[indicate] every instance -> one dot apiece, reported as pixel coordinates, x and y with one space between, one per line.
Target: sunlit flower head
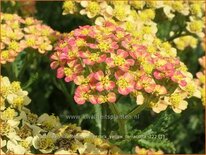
107 61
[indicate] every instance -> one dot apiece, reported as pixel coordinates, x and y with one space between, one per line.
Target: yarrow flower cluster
138 17
18 34
23 132
106 61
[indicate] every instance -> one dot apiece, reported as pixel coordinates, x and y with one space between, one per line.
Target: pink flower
161 90
93 99
119 60
158 75
125 84
148 84
92 58
56 62
179 78
110 97
104 82
81 94
90 80
69 72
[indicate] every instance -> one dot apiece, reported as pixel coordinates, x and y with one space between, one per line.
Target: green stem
98 112
137 110
121 122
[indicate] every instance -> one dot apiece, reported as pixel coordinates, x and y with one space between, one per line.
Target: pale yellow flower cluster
23 132
18 34
138 16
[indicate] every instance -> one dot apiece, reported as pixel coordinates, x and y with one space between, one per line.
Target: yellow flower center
175 99
72 53
25 144
46 143
80 42
43 46
8 114
15 86
122 83
166 45
196 26
68 71
93 8
5 54
4 91
85 96
119 61
177 6
151 49
129 26
85 31
14 45
119 12
105 80
190 88
147 14
18 102
147 30
69 6
94 57
30 41
148 68
29 21
195 9
119 35
104 46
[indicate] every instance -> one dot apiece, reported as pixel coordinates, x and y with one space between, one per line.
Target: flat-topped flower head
107 61
18 34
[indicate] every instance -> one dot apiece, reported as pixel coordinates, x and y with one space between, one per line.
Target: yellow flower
45 143
121 12
5 128
196 26
185 41
196 9
177 102
137 4
159 106
147 14
69 7
5 86
172 6
49 123
15 86
19 99
92 8
8 114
